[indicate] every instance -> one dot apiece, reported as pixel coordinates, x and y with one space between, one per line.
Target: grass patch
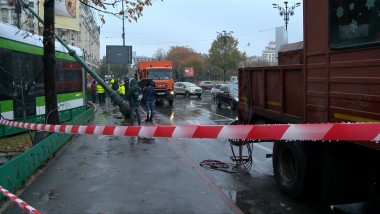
16 143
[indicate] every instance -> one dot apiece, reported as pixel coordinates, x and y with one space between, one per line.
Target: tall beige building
77 27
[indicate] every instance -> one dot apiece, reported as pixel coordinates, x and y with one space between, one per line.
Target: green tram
22 77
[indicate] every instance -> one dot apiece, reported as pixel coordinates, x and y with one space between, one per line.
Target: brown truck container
333 76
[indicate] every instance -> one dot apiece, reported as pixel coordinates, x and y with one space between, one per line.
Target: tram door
23 85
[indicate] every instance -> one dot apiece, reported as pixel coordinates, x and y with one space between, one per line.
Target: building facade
269 54
13 14
77 27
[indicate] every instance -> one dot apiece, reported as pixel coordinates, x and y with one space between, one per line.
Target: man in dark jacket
149 94
115 87
134 105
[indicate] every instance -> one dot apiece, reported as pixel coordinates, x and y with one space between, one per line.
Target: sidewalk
106 174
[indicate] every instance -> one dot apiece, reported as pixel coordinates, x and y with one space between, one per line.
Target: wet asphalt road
104 174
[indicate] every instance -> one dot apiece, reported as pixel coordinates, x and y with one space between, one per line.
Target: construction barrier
328 131
19 202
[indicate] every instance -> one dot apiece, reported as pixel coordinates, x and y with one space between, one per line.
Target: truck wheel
171 102
290 167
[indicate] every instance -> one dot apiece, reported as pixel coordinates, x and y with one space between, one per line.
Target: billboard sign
66 14
118 54
189 72
65 8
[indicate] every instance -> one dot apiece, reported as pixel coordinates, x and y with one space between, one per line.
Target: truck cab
161 72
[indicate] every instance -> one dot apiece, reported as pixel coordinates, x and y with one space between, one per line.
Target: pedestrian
134 99
121 90
100 90
115 87
149 96
93 91
126 83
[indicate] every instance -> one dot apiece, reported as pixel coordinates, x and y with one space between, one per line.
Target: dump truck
161 72
332 76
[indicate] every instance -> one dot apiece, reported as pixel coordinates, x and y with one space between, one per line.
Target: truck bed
275 92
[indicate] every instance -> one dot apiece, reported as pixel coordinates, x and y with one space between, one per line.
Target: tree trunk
51 108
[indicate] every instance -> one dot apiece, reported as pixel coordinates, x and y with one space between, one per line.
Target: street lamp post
225 36
286 12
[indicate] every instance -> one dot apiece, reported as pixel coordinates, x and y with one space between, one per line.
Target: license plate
161 93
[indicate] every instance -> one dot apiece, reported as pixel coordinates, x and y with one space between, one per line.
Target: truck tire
290 167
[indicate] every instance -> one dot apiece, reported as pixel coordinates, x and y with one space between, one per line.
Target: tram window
17 68
354 23
29 70
5 73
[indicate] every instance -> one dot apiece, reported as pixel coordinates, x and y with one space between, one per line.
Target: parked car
206 85
187 89
216 90
228 95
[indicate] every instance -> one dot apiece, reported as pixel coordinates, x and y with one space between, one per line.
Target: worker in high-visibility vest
111 82
101 94
121 90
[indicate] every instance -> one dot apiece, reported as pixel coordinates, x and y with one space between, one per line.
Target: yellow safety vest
100 89
122 89
119 89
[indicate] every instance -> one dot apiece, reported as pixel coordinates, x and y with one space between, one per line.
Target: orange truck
161 72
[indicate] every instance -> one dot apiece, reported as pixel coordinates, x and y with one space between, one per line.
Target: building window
4 15
72 36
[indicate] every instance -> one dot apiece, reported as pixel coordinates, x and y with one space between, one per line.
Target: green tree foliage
186 57
233 56
198 64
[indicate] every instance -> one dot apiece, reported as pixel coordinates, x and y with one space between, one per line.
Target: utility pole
124 73
18 12
225 36
286 12
51 107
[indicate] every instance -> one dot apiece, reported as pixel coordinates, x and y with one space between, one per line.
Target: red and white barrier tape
18 201
328 131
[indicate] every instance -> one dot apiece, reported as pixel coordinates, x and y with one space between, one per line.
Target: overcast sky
195 23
